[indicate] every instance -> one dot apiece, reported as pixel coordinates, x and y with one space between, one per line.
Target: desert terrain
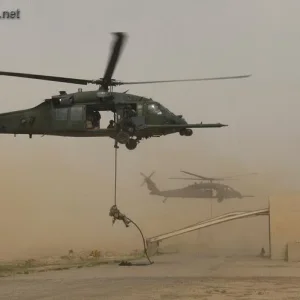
183 276
42 222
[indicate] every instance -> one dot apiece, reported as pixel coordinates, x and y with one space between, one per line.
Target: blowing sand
56 194
56 197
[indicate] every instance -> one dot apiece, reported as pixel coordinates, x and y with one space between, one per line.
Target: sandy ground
176 276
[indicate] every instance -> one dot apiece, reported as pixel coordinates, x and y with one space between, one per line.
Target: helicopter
77 114
206 189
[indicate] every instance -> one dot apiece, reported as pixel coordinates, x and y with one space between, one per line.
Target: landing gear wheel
122 137
131 144
182 132
188 132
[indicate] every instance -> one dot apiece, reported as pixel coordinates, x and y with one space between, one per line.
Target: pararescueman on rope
116 214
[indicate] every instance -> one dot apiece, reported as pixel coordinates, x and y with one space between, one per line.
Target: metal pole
270 244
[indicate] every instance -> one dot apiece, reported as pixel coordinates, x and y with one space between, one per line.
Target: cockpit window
154 109
165 110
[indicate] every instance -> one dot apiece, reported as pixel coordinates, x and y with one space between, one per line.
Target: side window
76 113
61 114
140 109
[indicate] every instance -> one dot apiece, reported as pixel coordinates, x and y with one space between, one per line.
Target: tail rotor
146 178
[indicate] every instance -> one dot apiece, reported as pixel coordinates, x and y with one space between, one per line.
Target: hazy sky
172 39
167 40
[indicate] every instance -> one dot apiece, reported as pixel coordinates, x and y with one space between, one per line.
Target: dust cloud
56 194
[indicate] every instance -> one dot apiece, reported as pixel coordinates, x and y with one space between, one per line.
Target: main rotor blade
217 179
206 179
183 80
47 77
199 176
182 178
240 175
116 50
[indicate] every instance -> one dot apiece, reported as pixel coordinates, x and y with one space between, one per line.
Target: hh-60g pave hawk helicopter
208 188
77 114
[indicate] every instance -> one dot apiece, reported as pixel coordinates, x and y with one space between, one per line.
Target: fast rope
116 172
117 215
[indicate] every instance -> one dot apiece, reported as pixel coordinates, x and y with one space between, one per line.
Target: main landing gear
125 135
131 144
124 138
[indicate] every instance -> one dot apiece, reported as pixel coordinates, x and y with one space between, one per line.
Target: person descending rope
117 215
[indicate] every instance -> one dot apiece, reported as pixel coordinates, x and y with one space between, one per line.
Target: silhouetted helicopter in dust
208 188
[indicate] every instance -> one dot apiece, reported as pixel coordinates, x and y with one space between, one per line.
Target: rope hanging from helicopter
116 214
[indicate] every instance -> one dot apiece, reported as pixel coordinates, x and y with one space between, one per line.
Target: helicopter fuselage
68 115
202 190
